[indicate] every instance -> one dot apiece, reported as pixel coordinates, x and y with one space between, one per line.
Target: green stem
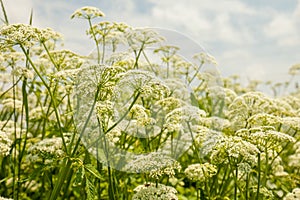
87 121
50 56
15 190
4 12
125 114
95 39
14 84
197 71
51 95
111 185
135 66
247 186
64 171
235 182
103 49
196 149
259 175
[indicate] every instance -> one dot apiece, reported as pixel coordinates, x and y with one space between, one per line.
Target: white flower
185 114
264 119
215 123
10 104
19 34
279 171
87 12
104 109
27 35
3 198
291 122
295 69
178 89
140 38
236 148
294 195
149 191
200 172
205 138
170 103
205 58
141 114
294 159
48 148
5 144
22 71
155 163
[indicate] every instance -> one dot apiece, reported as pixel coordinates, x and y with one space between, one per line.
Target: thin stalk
50 56
14 84
259 175
103 49
125 114
213 184
247 186
26 108
235 182
197 71
86 122
148 61
4 13
15 190
51 95
64 171
111 188
264 179
95 39
22 148
196 149
135 66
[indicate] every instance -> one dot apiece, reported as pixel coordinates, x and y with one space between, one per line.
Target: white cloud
284 28
205 18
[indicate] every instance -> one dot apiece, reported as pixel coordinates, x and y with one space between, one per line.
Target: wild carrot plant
137 120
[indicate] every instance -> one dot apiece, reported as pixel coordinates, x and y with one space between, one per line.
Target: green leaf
90 188
194 100
80 173
90 168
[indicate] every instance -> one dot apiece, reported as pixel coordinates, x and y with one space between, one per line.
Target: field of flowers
137 120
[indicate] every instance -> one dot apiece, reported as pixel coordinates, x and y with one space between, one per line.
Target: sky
255 39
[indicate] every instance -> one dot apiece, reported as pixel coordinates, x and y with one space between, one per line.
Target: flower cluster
200 172
156 164
234 149
5 144
26 35
87 12
265 137
295 194
3 198
139 113
149 191
49 149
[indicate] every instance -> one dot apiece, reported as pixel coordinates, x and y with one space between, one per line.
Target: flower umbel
87 12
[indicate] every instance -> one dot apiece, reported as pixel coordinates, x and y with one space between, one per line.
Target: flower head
236 148
200 172
294 195
150 191
27 35
5 144
156 164
87 12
